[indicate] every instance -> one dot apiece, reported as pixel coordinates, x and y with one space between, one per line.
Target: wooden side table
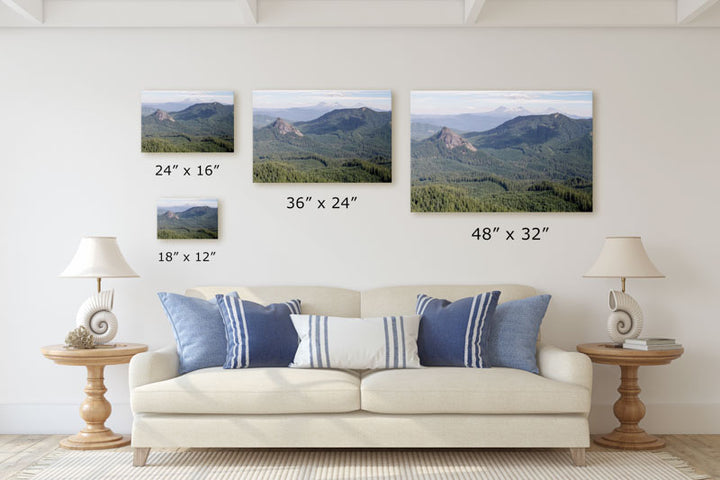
629 410
95 409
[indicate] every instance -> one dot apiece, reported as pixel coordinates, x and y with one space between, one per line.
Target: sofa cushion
513 333
357 343
251 391
198 329
340 302
257 335
402 300
454 334
469 390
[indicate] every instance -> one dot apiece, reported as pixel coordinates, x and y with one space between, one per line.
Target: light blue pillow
257 335
455 334
199 331
513 333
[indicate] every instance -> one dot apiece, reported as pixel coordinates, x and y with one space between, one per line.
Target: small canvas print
188 121
187 218
314 136
502 151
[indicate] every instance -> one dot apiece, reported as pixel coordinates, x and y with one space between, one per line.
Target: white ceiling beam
689 10
472 10
360 13
250 7
148 13
29 9
578 13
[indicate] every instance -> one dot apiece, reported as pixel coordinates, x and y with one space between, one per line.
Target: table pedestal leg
95 409
629 410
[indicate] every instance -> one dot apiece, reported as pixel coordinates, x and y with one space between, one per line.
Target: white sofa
435 407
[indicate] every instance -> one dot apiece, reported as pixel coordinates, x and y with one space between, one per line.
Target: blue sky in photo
187 202
538 101
186 96
374 99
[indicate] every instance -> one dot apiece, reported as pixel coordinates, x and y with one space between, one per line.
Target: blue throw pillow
199 331
455 334
514 332
258 336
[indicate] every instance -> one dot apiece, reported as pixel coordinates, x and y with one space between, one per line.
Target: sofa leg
578 456
140 456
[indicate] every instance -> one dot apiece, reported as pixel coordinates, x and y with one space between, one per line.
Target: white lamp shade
98 257
623 257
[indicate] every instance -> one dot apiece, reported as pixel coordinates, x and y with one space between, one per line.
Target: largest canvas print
502 151
317 136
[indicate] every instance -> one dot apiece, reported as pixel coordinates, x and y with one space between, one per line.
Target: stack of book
651 344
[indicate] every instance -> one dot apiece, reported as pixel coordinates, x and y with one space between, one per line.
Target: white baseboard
53 418
65 419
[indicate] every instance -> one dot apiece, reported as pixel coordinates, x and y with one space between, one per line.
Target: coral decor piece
80 338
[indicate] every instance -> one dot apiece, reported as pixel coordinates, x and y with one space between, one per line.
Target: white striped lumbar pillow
356 343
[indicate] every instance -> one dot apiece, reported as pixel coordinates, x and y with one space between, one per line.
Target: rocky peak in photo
452 140
283 127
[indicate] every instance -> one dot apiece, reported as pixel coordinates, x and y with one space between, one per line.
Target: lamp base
626 319
96 315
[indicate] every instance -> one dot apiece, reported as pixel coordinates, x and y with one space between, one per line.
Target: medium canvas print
188 121
316 136
502 151
187 218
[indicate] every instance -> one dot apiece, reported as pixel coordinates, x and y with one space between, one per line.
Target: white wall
70 166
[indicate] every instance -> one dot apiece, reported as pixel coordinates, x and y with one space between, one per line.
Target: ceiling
359 13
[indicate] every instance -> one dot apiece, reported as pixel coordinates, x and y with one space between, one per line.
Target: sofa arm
151 367
563 366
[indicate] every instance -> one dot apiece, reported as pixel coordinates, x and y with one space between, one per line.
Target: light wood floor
20 451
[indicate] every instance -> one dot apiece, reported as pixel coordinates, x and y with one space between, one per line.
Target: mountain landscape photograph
502 151
322 136
187 121
187 218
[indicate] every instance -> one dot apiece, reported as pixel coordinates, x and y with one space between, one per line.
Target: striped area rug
357 464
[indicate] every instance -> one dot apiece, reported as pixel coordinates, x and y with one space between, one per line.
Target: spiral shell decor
626 319
95 314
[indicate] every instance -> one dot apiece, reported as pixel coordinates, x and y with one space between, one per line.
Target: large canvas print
188 121
314 136
502 151
187 218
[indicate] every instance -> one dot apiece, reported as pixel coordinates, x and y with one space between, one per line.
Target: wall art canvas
188 121
187 218
314 136
502 151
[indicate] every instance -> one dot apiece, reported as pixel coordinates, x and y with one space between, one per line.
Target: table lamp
98 257
623 257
